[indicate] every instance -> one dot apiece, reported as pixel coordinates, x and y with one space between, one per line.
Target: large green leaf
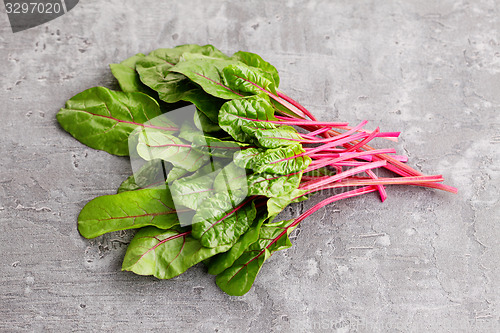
255 60
282 161
127 210
241 117
157 144
220 221
225 260
165 253
103 119
242 78
238 279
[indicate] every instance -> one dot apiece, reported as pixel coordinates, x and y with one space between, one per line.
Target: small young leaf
103 119
165 253
127 210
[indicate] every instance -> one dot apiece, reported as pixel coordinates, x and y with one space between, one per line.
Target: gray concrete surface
423 261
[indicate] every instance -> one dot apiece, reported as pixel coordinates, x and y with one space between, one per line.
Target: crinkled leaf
103 119
243 78
254 60
219 221
225 260
245 113
239 278
155 144
283 161
165 253
127 210
277 137
272 185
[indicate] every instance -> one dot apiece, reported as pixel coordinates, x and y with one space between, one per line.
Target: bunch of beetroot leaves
218 151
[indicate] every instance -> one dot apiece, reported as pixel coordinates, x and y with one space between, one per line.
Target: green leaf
282 161
204 102
232 180
220 221
207 72
191 192
127 76
175 174
238 279
242 78
149 175
155 72
205 124
216 147
225 260
277 137
242 117
103 119
272 185
254 60
156 144
165 253
127 210
276 205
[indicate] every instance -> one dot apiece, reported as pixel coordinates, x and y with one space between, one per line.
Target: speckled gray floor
423 261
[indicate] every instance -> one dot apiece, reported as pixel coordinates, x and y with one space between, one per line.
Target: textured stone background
422 261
